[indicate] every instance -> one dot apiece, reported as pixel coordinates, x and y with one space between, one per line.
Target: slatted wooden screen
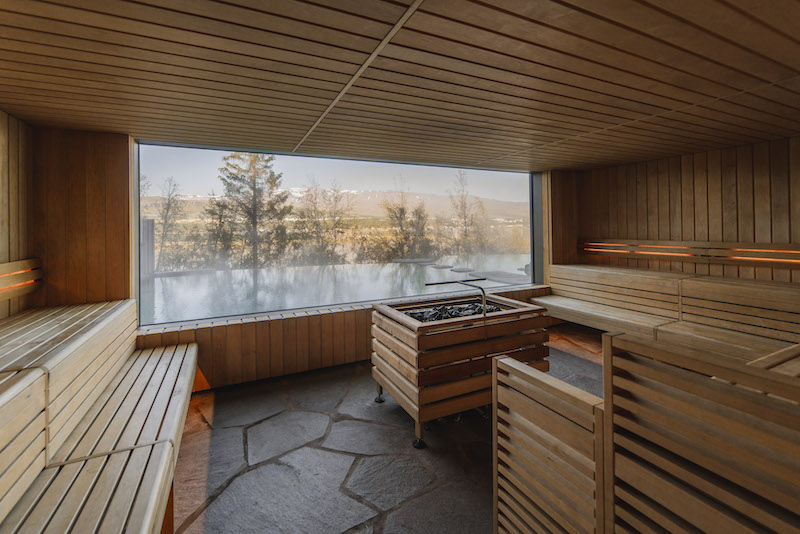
236 350
700 441
548 450
747 194
15 197
79 222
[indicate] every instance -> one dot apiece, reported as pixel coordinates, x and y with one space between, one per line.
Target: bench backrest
54 363
651 292
697 444
767 309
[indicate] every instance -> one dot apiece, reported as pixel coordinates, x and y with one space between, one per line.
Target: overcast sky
197 171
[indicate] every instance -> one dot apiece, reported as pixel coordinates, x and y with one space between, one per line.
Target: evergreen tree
220 221
253 189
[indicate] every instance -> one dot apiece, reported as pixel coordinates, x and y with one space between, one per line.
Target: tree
323 218
469 217
169 212
253 189
407 236
220 221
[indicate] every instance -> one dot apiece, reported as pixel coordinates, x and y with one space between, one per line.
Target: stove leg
419 430
379 398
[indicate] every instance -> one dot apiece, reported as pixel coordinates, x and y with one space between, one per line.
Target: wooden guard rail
548 444
19 278
782 255
696 440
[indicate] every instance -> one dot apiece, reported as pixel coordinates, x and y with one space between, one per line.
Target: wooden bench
89 427
700 441
79 348
743 318
114 472
613 299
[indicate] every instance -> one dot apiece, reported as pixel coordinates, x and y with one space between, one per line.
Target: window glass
230 233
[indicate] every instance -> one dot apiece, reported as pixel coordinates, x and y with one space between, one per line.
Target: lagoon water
200 295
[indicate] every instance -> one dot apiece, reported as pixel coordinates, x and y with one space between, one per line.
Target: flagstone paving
314 453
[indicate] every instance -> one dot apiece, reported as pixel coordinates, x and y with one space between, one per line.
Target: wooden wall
748 194
15 193
80 220
560 219
236 350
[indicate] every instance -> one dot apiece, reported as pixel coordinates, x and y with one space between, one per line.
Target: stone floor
314 453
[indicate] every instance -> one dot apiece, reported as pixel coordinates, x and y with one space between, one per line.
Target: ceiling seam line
641 119
375 53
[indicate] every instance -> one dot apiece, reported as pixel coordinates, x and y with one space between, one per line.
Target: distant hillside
365 204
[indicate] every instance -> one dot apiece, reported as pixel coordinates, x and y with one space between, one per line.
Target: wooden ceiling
506 84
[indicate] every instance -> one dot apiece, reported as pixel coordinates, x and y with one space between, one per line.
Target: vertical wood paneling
82 213
730 223
714 195
794 195
15 184
746 194
762 202
244 349
779 184
675 207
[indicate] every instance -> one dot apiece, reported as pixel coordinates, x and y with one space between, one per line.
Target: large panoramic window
230 233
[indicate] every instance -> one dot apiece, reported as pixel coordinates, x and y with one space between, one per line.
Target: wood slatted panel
711 255
701 441
17 279
15 197
80 220
548 453
80 347
321 343
769 309
742 198
22 433
501 84
629 289
142 409
613 298
130 487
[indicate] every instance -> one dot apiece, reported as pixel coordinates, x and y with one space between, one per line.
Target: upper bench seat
609 298
79 349
744 318
114 471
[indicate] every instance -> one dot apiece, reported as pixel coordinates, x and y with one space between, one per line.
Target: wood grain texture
80 216
747 194
284 343
15 188
512 85
681 418
548 452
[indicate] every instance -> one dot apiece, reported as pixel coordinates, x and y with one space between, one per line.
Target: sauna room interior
399 266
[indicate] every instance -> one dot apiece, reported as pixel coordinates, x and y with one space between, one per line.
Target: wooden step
22 433
80 349
114 470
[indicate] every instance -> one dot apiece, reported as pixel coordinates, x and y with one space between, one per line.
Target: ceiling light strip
399 24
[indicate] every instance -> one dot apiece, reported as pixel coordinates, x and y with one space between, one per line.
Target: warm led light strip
627 245
29 282
764 250
16 272
750 258
743 258
642 252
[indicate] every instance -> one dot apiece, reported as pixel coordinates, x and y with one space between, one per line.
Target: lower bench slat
131 434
